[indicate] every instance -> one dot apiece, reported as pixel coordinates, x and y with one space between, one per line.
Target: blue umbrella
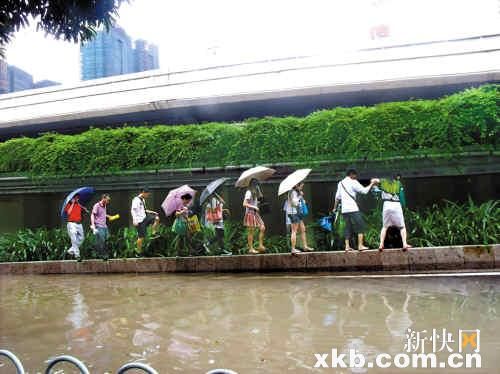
85 195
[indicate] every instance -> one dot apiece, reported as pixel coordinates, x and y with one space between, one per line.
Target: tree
71 20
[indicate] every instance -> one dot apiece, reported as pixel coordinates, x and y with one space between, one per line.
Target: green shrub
439 225
464 121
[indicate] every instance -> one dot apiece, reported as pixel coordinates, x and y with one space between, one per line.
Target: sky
207 33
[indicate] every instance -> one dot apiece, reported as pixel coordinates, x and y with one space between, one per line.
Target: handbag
179 226
303 209
214 215
326 223
193 224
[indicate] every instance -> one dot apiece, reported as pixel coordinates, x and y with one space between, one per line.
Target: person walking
391 192
293 210
142 217
74 225
99 227
347 189
214 217
252 219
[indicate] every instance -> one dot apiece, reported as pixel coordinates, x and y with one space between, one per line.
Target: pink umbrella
173 200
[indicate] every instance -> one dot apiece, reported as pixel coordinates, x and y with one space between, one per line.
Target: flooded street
248 323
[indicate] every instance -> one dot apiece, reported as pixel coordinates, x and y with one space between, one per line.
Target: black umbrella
210 189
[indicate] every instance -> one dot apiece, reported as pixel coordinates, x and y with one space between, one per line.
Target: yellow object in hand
114 218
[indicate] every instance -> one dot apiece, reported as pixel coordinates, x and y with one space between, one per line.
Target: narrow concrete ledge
473 257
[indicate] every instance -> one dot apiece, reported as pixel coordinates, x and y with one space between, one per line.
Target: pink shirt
99 213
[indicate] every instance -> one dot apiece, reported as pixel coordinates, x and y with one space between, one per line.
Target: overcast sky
200 32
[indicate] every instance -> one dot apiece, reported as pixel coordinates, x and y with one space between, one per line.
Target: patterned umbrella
173 200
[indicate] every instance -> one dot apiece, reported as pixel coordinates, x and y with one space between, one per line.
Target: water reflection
250 323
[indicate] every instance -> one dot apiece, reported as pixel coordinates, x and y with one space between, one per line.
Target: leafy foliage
74 20
448 224
464 121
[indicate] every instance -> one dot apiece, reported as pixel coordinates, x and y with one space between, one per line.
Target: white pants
75 232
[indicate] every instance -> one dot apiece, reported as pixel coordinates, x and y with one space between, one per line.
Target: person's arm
295 199
338 198
358 187
84 209
92 218
246 199
69 207
133 211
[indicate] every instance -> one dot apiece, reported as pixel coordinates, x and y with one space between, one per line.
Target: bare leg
156 223
139 245
262 231
347 245
250 231
360 243
304 236
293 235
403 237
383 233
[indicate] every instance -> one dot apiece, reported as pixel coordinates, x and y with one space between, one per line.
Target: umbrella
259 172
85 195
210 189
292 180
173 200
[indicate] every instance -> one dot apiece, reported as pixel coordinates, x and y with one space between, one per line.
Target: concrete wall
456 258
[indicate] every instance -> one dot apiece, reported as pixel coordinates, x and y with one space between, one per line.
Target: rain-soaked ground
249 323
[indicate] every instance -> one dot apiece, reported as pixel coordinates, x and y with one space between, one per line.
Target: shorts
295 218
142 227
392 215
354 223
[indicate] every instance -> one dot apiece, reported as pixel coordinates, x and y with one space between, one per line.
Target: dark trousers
219 238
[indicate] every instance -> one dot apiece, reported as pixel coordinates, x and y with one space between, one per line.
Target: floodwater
248 323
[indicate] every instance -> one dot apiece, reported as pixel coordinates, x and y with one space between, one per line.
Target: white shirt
293 202
352 186
138 210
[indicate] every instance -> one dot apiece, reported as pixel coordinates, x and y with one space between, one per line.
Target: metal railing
83 369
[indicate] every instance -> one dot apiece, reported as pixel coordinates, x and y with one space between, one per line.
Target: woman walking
295 213
252 219
214 217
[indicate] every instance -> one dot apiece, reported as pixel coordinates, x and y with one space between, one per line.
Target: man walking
347 189
99 226
75 229
142 218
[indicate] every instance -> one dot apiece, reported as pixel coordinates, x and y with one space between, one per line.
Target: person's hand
375 181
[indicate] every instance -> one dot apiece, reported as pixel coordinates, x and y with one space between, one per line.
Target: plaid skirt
252 219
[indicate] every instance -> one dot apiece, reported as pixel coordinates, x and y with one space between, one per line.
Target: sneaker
295 251
253 251
225 252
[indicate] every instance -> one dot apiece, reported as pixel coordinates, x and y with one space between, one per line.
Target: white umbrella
259 172
292 180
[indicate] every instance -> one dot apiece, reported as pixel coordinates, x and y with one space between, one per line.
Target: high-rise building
145 56
4 77
19 79
45 83
111 53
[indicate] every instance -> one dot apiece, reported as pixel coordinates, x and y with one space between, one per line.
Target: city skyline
113 52
13 79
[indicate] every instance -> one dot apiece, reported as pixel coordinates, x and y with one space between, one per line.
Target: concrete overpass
291 86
